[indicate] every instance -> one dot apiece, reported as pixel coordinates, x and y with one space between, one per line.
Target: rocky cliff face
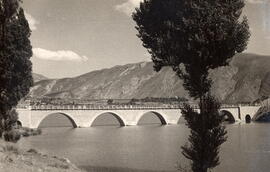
251 79
246 79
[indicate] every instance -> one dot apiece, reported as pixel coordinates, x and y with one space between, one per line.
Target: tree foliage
194 36
15 53
206 134
201 35
11 134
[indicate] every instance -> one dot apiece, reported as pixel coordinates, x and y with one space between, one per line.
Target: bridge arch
71 119
115 115
228 116
247 118
160 116
19 123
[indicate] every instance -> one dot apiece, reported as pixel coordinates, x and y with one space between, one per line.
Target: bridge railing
101 107
120 107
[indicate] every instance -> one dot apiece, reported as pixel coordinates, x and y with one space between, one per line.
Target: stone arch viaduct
127 115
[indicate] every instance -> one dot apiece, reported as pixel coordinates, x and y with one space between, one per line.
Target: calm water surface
151 147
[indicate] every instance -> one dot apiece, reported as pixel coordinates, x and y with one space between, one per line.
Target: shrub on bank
12 135
15 134
25 132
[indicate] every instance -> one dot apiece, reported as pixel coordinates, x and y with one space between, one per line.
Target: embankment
13 159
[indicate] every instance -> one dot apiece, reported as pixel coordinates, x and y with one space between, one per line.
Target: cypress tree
193 37
15 65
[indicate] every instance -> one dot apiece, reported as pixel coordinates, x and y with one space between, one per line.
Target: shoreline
14 159
117 169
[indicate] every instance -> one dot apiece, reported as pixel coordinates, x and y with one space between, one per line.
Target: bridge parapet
100 107
120 107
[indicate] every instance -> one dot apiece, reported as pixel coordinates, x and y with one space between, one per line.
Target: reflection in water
55 120
108 119
228 116
152 147
151 118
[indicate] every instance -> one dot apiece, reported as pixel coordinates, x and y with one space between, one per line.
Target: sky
73 37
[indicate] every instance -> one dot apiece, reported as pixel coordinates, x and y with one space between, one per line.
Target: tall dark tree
15 64
194 36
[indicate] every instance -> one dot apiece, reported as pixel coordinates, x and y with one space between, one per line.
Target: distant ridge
38 77
246 80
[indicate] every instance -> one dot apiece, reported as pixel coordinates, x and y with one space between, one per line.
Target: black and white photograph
134 85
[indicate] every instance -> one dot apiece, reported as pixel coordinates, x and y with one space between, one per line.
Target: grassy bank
13 159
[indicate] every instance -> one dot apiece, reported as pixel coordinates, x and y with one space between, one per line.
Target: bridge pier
131 123
248 110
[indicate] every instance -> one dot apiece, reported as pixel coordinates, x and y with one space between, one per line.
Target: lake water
148 147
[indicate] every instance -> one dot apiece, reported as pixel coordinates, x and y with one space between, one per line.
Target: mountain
128 81
38 77
246 79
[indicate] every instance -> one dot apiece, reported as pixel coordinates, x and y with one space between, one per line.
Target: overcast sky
73 37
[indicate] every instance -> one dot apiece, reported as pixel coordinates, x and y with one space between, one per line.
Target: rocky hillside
38 77
128 81
251 79
245 80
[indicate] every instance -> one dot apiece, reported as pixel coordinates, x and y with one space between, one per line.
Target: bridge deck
113 107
